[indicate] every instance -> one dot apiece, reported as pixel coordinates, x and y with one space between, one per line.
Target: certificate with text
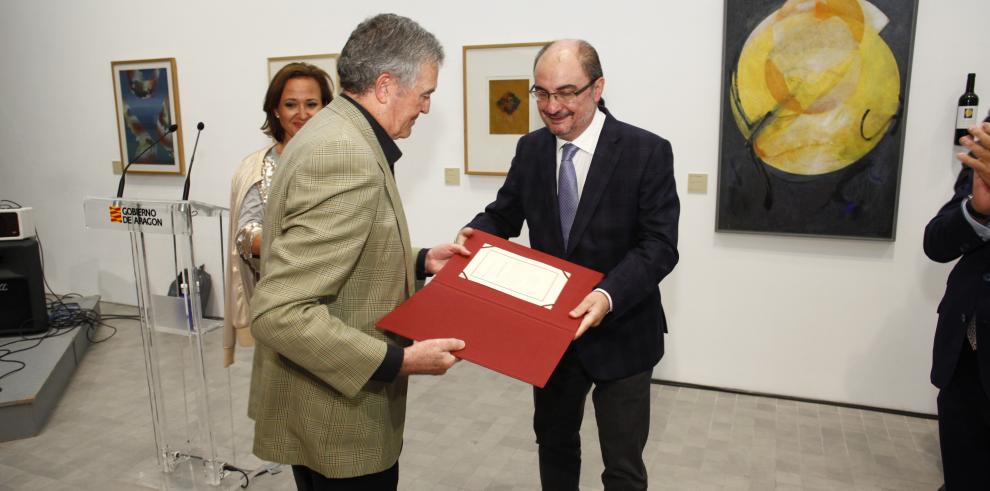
524 278
509 304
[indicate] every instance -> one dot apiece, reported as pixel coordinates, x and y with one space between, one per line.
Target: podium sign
147 216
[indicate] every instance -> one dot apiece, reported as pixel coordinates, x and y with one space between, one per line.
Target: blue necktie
567 191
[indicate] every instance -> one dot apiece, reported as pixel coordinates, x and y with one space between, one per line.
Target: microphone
185 189
120 185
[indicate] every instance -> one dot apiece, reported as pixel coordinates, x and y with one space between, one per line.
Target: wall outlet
452 176
698 183
117 168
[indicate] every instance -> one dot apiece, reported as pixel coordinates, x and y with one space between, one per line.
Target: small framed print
497 106
146 95
327 62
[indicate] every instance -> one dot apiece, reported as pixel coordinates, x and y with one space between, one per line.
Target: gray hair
386 43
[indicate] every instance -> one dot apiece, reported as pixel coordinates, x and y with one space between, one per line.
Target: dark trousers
964 427
622 410
309 480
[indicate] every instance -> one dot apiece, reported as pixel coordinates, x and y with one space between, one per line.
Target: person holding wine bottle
961 352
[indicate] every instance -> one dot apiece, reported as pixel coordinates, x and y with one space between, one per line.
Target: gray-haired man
329 388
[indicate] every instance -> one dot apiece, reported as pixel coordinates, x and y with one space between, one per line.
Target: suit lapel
547 158
603 165
400 216
356 118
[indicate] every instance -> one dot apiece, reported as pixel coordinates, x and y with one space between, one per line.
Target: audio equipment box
22 290
16 223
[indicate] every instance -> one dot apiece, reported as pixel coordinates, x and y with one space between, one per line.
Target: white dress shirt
586 143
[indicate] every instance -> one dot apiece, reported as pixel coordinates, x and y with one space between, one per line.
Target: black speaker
22 289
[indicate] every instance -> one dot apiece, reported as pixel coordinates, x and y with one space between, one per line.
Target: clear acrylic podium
189 390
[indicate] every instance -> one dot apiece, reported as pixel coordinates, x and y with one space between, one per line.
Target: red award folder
509 304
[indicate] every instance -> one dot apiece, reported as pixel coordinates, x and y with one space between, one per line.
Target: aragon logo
115 215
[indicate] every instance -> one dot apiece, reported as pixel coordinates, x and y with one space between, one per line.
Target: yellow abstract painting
816 85
814 98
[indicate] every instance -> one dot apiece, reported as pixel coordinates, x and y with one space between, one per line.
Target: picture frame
146 97
814 107
326 61
497 106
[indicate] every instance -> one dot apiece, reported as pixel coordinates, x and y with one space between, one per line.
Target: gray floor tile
472 430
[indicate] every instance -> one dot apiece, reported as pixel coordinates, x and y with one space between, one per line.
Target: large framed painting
814 101
497 106
328 62
146 94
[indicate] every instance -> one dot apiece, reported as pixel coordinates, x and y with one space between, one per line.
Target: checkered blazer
336 258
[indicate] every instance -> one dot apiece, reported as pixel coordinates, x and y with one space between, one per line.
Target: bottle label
965 117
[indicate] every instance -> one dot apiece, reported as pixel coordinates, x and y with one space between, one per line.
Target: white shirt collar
588 139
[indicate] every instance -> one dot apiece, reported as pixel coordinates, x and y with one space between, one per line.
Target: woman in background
296 93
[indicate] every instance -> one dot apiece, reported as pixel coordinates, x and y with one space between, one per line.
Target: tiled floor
471 430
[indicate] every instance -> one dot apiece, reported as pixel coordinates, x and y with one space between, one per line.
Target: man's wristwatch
980 217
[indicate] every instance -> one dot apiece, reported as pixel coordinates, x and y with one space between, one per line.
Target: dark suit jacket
949 236
625 227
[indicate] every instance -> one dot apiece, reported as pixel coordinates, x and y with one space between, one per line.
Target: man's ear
384 87
599 87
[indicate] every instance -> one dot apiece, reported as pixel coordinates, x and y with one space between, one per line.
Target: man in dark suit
961 354
598 192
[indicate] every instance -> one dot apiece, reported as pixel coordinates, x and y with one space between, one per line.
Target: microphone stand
123 173
185 189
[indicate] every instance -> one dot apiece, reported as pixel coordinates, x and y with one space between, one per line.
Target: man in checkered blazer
329 388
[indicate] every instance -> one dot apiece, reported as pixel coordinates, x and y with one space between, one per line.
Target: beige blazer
240 279
335 258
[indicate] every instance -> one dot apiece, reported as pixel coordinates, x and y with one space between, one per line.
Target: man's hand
978 143
438 256
464 235
430 357
593 308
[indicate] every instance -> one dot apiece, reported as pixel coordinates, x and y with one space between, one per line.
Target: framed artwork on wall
497 106
328 62
146 95
814 100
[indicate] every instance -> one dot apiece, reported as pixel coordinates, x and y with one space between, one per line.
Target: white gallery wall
832 319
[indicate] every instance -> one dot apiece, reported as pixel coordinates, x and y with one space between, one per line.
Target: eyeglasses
564 95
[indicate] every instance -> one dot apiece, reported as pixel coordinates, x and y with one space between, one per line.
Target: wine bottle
966 114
